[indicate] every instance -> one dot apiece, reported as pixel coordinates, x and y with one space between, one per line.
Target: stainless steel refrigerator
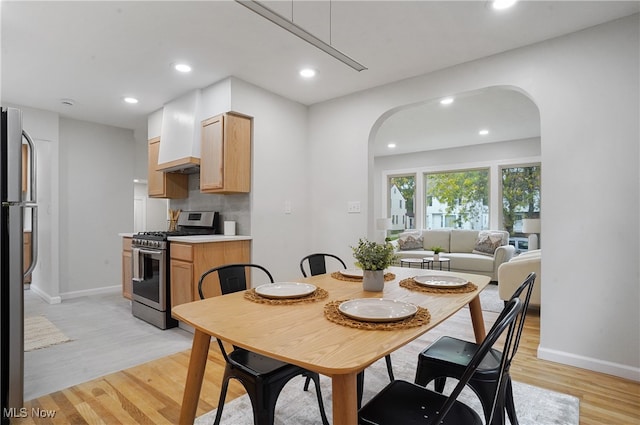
15 204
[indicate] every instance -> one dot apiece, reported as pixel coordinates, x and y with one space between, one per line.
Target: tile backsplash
236 207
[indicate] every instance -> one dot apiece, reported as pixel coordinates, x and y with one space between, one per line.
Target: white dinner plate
439 281
377 309
285 290
351 272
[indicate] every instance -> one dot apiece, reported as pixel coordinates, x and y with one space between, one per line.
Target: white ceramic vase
436 257
373 280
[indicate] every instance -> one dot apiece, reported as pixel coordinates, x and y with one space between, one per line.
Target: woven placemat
317 295
332 314
412 285
340 276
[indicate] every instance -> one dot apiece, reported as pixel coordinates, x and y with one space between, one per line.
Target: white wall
95 204
586 86
279 175
42 127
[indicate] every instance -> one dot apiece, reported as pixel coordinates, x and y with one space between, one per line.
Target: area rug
534 406
39 332
490 300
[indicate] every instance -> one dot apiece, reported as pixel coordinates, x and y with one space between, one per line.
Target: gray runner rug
39 332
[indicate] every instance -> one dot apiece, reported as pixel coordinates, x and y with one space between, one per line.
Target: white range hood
180 135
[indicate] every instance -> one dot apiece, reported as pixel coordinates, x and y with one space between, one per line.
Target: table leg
345 399
475 309
195 375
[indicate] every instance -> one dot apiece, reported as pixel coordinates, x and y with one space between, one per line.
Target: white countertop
126 235
208 238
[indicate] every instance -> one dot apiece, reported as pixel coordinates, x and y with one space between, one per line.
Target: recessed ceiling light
308 73
182 67
391 145
503 4
483 132
446 101
131 100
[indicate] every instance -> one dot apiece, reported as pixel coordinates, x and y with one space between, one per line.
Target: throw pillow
487 243
410 241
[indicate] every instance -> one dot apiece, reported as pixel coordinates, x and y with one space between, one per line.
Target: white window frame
495 186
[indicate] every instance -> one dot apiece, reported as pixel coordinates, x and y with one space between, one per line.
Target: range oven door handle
148 252
137 265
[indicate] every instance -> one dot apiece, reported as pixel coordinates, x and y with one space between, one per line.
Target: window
401 191
461 197
520 196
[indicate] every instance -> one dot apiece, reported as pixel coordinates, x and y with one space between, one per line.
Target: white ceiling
506 114
96 53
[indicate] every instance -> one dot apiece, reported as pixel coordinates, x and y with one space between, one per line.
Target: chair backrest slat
317 263
232 277
527 288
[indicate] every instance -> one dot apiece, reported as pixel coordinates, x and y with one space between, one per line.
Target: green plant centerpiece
373 258
436 252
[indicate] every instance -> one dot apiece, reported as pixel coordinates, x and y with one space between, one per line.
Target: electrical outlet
353 207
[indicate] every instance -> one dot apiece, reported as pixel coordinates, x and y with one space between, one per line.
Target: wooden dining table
300 334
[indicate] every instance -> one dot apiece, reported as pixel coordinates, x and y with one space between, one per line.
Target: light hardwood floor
152 393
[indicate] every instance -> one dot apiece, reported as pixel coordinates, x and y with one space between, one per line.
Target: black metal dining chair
317 264
449 357
262 377
406 403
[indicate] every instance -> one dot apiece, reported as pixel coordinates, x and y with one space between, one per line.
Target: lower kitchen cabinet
190 260
126 267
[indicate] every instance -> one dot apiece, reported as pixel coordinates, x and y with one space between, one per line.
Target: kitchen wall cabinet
190 260
164 185
126 267
27 255
225 154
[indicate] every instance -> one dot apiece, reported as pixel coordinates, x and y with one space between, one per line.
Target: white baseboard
596 365
46 297
94 291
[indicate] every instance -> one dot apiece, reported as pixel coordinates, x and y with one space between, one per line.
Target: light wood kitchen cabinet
225 154
189 261
126 267
27 255
161 184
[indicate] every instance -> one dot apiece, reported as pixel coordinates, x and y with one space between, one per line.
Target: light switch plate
287 207
353 207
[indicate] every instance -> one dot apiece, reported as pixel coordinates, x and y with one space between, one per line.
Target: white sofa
513 273
469 251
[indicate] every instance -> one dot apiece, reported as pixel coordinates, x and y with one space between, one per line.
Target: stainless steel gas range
150 266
